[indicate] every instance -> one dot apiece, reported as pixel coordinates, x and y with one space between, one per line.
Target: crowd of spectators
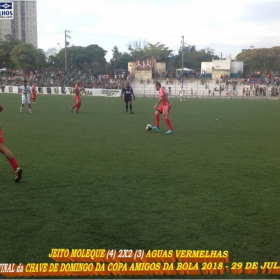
268 81
160 74
60 78
254 84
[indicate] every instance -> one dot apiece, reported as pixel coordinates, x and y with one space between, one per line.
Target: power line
103 35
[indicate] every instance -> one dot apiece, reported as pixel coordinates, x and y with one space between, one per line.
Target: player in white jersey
25 90
181 94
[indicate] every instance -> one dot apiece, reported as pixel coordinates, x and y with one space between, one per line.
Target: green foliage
115 61
6 47
52 60
27 57
264 59
193 59
140 50
124 60
91 57
17 54
119 60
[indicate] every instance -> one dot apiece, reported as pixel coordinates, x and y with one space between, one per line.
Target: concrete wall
159 66
131 68
236 66
222 64
143 75
206 67
216 74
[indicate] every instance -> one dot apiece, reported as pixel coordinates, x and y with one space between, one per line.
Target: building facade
24 25
146 69
219 67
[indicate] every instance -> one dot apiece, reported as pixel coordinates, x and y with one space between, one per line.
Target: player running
182 93
25 91
33 94
9 155
163 109
127 91
77 97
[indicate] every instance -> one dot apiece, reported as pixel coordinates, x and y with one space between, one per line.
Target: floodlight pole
183 44
66 43
65 51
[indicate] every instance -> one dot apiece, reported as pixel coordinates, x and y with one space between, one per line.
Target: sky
225 26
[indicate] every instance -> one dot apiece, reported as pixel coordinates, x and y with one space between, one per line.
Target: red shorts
164 109
1 137
77 99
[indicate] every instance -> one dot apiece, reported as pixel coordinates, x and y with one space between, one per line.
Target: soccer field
100 180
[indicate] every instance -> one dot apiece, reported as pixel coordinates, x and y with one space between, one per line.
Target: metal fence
198 89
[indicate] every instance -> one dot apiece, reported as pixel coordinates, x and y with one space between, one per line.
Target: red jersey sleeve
76 90
161 92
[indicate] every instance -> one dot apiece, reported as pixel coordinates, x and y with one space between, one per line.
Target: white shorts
25 99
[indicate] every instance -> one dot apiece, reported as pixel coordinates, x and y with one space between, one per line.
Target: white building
218 67
24 25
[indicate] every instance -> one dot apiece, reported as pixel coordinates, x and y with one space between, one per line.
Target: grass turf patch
100 180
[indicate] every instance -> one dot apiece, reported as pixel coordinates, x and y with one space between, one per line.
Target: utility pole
66 44
183 45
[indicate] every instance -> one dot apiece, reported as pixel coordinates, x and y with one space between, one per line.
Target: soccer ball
149 127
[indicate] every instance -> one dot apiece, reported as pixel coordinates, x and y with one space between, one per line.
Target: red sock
13 163
168 122
77 109
157 121
74 106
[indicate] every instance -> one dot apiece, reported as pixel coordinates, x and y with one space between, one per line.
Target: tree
208 51
27 57
158 51
144 50
116 53
40 58
52 61
193 60
6 47
264 59
137 46
193 57
115 59
119 60
124 59
136 49
97 54
90 57
188 49
51 52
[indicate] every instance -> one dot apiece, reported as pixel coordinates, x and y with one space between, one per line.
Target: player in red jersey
164 108
77 97
9 155
33 94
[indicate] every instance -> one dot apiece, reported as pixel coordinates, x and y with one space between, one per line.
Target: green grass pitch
100 180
